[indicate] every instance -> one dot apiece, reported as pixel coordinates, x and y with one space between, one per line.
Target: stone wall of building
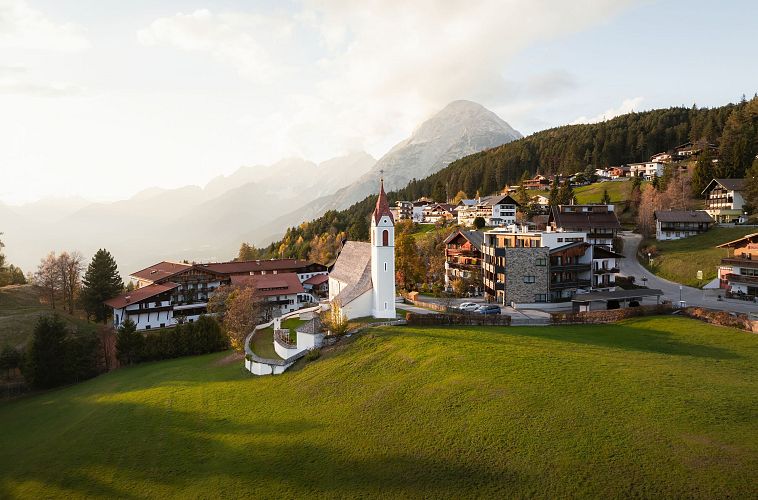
521 263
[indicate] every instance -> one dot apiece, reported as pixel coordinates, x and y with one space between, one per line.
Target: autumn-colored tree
47 277
459 287
678 195
334 318
409 267
461 195
239 310
650 201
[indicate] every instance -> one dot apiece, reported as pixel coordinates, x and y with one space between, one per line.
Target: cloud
627 106
22 27
54 89
351 74
238 39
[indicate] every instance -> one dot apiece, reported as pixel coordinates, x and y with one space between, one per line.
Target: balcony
560 285
739 278
609 270
464 266
570 267
735 261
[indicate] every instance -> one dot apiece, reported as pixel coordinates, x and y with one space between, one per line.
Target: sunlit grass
652 407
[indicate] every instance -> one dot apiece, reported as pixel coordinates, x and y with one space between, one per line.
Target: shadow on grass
611 336
147 451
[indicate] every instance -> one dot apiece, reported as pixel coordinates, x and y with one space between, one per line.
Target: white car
468 306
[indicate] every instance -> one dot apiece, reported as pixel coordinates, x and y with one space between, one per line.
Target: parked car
468 307
488 309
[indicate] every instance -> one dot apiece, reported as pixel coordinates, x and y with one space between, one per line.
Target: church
363 278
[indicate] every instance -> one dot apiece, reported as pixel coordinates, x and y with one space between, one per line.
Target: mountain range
255 204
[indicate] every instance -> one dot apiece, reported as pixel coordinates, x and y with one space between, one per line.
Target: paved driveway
629 266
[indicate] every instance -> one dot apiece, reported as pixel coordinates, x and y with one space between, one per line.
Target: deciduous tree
334 318
238 309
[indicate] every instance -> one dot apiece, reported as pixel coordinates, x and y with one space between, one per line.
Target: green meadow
651 407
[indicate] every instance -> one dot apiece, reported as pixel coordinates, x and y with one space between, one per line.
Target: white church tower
383 258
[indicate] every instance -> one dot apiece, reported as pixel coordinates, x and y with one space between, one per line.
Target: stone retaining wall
612 316
457 319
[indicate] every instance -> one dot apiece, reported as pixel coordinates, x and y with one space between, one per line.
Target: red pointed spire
382 205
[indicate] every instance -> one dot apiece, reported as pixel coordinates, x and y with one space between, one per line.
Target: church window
385 238
385 266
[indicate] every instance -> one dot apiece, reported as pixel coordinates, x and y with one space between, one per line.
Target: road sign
700 275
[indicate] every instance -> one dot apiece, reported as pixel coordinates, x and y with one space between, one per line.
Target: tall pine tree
101 282
703 173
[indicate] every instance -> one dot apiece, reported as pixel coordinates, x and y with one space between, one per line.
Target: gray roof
682 216
312 326
730 184
353 268
352 260
616 295
475 237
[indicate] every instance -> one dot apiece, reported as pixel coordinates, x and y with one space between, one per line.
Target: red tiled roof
317 279
139 294
266 285
247 266
160 270
382 206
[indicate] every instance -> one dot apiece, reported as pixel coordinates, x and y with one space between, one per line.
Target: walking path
630 266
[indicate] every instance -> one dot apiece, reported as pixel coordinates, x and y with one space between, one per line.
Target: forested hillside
629 138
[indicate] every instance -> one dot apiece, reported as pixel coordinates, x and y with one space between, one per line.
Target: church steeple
383 258
382 205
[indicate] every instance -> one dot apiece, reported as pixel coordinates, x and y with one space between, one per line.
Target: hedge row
201 337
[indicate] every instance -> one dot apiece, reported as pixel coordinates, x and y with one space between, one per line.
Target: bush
10 359
56 356
313 354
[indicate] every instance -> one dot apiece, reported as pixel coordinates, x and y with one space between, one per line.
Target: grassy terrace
651 407
262 342
618 191
680 260
20 307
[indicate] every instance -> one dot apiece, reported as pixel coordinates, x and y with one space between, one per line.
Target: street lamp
680 295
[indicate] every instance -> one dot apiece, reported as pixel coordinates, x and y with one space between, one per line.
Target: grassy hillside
653 407
20 307
680 260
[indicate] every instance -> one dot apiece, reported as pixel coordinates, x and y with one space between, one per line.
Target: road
630 266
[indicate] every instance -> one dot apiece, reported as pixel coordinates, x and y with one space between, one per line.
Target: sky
103 98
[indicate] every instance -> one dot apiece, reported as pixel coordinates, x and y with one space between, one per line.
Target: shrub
56 356
313 354
10 359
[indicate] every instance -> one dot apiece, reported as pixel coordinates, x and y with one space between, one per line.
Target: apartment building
599 222
647 170
497 210
724 200
678 224
522 266
738 273
463 260
403 210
